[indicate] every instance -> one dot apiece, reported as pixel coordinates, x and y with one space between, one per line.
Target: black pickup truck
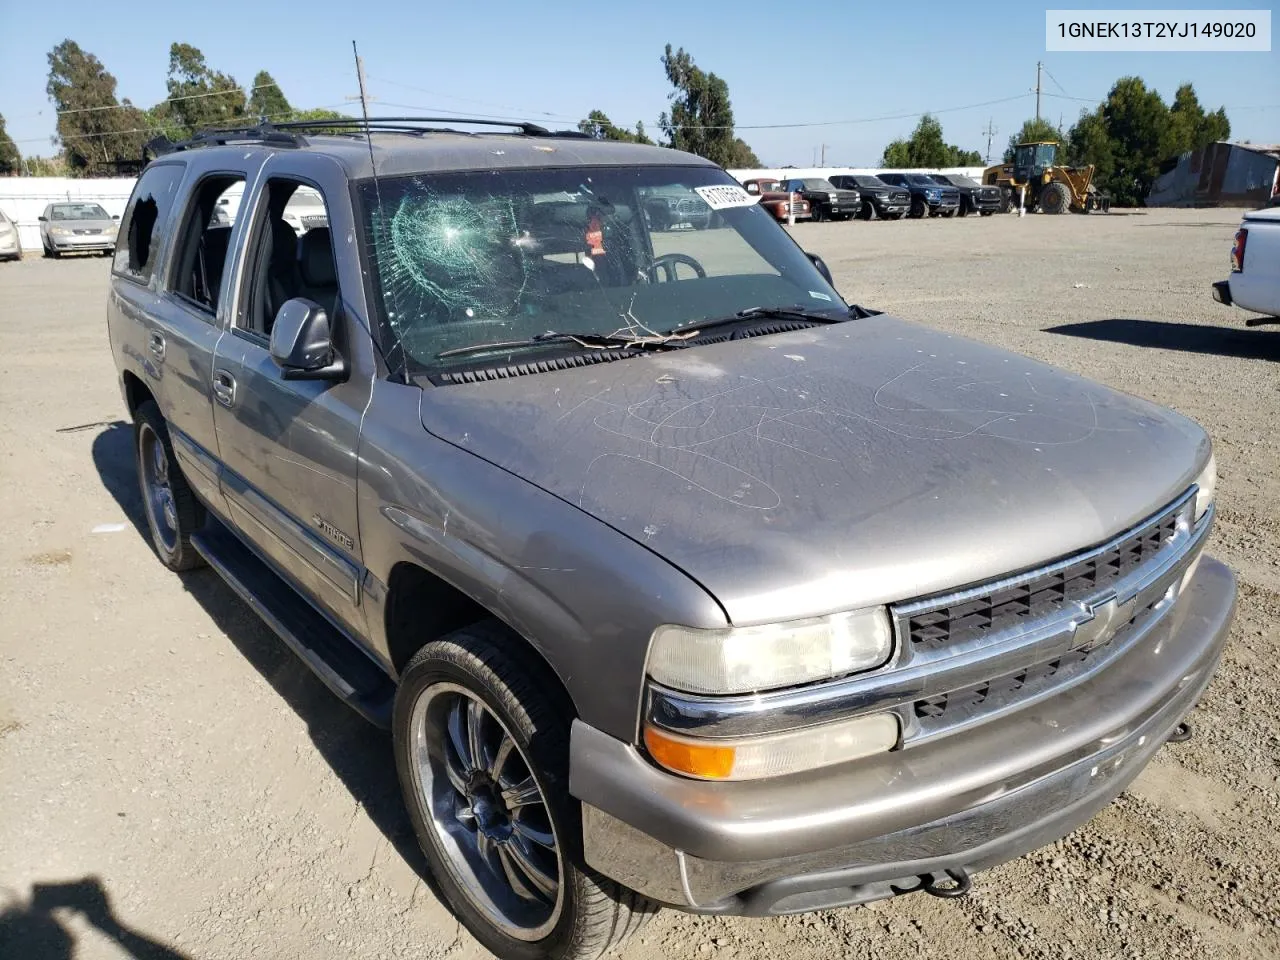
884 200
826 200
975 197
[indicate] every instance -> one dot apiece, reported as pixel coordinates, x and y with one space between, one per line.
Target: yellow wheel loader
1048 187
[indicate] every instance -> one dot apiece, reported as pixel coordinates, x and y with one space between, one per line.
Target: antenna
377 184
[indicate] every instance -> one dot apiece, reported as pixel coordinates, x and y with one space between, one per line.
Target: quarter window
148 207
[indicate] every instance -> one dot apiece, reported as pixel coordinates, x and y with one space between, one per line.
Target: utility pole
363 96
823 161
991 131
1039 67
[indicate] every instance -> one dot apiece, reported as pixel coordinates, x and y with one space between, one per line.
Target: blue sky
552 63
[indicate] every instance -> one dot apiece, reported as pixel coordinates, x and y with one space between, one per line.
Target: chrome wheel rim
162 512
487 811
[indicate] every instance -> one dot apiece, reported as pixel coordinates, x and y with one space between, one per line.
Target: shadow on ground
31 930
359 753
1189 337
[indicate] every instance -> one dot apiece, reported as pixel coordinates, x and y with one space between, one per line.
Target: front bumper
884 825
88 242
1222 292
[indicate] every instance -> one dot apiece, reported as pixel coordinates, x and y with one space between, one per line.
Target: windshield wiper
761 313
590 341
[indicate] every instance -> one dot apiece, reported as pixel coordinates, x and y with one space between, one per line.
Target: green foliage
701 117
45 166
10 158
600 127
200 96
318 114
1033 131
94 128
926 148
266 99
1130 136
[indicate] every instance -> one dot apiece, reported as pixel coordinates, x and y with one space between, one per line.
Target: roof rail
288 134
262 133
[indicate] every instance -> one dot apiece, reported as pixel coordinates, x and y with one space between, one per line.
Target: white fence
799 173
24 199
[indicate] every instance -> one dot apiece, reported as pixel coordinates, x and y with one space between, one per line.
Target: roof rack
288 134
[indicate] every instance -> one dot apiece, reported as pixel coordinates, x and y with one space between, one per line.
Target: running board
337 660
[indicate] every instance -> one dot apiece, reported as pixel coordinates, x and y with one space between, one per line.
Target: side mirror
43 219
115 216
302 343
821 266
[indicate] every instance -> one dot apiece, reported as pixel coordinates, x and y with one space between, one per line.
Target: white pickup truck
1254 283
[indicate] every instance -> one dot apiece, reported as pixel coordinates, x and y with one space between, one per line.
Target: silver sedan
77 227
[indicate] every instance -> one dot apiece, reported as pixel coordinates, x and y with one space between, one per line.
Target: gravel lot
173 783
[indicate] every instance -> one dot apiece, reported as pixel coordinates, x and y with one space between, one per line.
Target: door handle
156 345
224 387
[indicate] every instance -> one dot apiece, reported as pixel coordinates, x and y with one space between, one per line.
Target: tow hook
934 885
1181 733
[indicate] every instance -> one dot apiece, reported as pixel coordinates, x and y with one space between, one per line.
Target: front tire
173 513
867 212
481 739
1055 198
918 208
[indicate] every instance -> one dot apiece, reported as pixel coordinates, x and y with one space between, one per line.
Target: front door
289 447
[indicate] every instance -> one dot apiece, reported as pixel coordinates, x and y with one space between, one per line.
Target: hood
83 226
833 467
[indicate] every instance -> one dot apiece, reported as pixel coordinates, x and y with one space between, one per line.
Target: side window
204 240
149 206
291 255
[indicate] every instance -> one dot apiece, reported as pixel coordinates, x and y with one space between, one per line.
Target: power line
134 106
483 103
841 123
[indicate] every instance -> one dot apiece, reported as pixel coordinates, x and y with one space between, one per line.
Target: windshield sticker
724 196
819 296
595 237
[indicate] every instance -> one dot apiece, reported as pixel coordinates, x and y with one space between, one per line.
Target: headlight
748 659
1206 486
58 231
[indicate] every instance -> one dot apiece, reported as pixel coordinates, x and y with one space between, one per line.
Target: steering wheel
667 264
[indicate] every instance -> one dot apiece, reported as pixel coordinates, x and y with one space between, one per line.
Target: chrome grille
312 222
1025 637
1035 595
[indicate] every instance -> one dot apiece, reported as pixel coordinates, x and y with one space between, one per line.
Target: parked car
826 200
927 195
10 242
796 605
304 211
77 227
975 197
777 201
1254 283
884 200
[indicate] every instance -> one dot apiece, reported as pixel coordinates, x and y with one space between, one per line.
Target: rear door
289 447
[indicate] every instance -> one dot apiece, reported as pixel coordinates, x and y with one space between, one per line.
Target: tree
926 148
600 127
1190 128
701 117
200 96
1089 142
94 128
1033 131
10 158
321 114
266 99
741 156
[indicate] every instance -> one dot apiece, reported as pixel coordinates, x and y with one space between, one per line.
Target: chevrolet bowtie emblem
1099 621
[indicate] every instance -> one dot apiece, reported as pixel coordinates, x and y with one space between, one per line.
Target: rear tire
964 209
173 513
481 737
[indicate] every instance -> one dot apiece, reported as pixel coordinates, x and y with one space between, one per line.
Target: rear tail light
1237 250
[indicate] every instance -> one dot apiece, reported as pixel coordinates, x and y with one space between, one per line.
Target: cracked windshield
628 254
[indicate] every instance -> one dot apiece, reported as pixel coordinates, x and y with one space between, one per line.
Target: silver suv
677 579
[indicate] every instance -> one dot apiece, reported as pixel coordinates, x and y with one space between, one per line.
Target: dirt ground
173 783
